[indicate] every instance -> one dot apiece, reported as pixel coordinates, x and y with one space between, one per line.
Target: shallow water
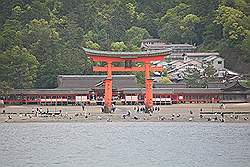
125 144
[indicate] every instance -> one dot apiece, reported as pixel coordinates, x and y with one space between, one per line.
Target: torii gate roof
91 52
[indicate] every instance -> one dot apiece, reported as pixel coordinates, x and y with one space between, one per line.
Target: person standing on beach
37 112
83 107
113 108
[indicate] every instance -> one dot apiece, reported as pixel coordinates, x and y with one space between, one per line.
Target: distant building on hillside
216 62
153 44
157 44
177 50
181 48
183 56
199 55
177 70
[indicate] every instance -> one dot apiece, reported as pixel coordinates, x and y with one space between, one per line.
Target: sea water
125 144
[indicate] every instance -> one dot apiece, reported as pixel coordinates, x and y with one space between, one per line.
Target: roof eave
92 52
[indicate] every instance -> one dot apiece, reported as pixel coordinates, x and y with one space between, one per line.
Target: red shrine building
89 89
123 89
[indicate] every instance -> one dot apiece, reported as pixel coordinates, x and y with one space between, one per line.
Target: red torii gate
128 57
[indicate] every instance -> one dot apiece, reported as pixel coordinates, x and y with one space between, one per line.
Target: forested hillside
40 39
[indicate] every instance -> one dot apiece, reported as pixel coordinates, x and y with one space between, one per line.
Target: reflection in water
125 144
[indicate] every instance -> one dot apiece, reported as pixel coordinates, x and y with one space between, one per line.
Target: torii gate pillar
149 87
108 88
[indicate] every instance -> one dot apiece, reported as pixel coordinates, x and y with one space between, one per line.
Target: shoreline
118 118
233 113
89 122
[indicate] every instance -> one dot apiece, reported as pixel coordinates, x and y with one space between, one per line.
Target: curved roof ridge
115 53
80 76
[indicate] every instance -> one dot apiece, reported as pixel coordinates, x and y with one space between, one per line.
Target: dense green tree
18 68
188 25
178 25
140 77
170 31
232 22
120 21
134 36
200 79
246 47
42 39
193 78
209 74
165 80
10 35
53 31
118 46
5 87
70 54
100 38
92 45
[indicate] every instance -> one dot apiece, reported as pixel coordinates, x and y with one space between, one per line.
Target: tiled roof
235 86
50 91
152 40
211 85
174 85
202 54
216 85
210 58
95 81
154 46
185 64
175 90
133 90
181 46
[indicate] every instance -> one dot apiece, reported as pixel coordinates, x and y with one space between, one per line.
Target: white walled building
183 56
199 55
216 62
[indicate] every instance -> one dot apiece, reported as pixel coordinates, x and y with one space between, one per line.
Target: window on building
219 62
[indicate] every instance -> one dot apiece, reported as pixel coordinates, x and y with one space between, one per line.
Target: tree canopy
40 39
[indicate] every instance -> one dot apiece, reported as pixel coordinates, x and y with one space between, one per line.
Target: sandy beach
237 113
